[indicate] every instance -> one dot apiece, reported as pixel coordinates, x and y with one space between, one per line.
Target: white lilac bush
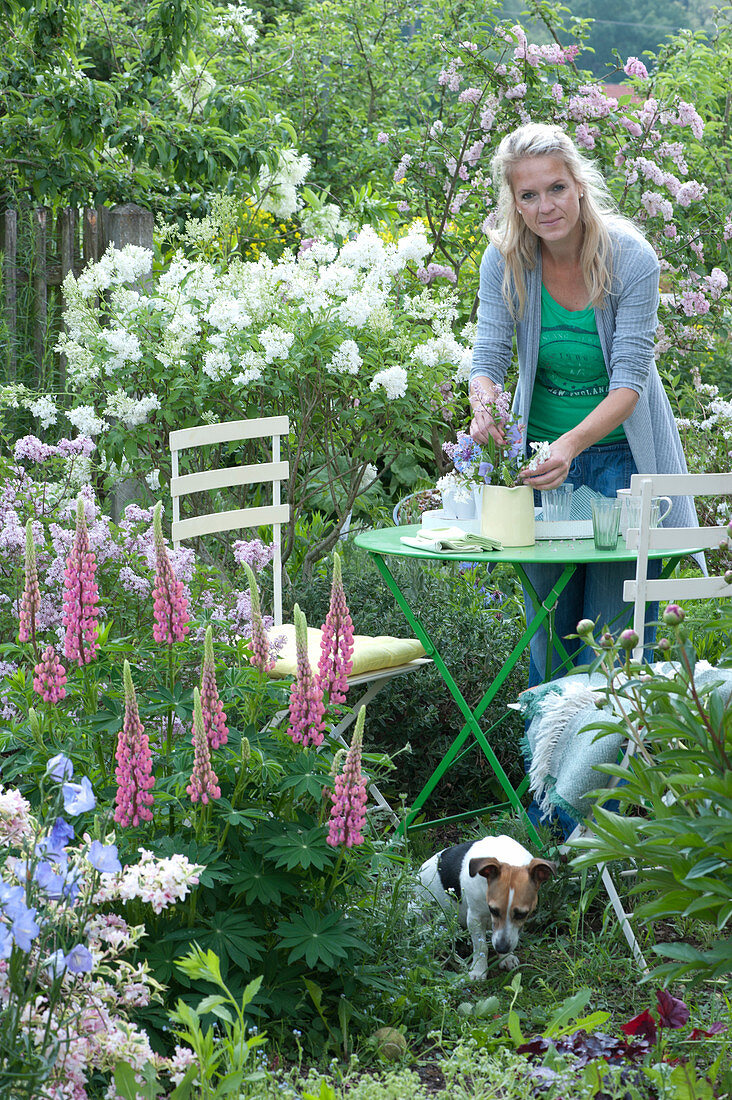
345 340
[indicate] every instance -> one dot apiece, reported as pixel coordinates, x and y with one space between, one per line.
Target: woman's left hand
555 471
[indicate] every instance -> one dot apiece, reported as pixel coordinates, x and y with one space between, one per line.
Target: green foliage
676 804
101 109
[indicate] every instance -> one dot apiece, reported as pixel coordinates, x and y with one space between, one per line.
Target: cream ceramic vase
508 514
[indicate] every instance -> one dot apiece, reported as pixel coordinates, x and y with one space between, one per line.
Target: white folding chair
673 540
273 473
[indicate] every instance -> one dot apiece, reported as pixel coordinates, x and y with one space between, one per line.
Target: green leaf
318 937
568 1010
233 937
301 848
256 881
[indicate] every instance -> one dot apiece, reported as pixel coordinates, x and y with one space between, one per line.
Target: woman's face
548 199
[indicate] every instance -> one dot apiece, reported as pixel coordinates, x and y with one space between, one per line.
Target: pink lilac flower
255 553
81 596
306 696
470 95
50 677
31 599
634 67
348 813
134 763
261 656
31 449
336 643
204 784
170 606
214 718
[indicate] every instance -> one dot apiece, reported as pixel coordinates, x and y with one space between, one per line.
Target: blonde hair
517 243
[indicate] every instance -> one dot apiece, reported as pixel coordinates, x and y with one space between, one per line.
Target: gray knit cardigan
626 324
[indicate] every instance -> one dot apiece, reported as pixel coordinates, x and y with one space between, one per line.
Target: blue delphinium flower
79 960
60 768
25 929
61 834
55 964
6 942
78 797
49 880
103 857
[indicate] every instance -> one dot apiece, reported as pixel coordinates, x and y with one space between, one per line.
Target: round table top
386 540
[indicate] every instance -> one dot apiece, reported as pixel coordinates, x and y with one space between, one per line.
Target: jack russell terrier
494 879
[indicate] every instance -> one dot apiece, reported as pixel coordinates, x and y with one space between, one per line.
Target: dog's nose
502 945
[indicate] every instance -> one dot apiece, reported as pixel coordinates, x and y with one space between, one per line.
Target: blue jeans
594 591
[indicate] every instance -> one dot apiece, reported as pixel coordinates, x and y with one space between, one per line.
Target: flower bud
35 725
607 641
628 639
246 751
728 576
585 627
673 615
724 545
663 645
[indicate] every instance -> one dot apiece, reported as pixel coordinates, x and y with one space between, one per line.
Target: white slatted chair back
270 473
673 540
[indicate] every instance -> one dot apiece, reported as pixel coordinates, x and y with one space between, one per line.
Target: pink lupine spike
170 607
204 784
81 596
306 696
348 813
261 656
134 763
50 677
214 718
31 599
336 643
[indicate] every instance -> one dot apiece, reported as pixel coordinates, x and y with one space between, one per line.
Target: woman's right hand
483 428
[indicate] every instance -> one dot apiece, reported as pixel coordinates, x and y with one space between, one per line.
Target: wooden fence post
40 284
121 225
9 247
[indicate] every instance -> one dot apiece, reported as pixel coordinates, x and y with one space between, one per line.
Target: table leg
471 716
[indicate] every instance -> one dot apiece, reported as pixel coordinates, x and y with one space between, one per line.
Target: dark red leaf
708 1033
643 1025
671 1011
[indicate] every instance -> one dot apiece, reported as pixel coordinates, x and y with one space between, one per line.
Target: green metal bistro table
567 553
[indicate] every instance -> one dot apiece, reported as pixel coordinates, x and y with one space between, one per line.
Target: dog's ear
490 869
540 870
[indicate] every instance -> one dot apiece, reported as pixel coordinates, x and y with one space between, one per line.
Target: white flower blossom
131 410
44 408
216 364
393 380
346 359
276 342
86 421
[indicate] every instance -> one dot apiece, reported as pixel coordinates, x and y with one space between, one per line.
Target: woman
578 287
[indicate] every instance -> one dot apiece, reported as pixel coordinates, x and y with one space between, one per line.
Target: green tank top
571 376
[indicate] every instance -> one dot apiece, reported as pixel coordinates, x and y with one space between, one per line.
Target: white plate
436 518
564 529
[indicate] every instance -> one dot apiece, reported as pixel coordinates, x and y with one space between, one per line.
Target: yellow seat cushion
369 654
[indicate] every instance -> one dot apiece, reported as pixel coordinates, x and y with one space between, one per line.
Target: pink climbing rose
134 763
170 606
81 595
31 599
336 643
204 784
214 718
50 677
261 656
348 813
306 695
